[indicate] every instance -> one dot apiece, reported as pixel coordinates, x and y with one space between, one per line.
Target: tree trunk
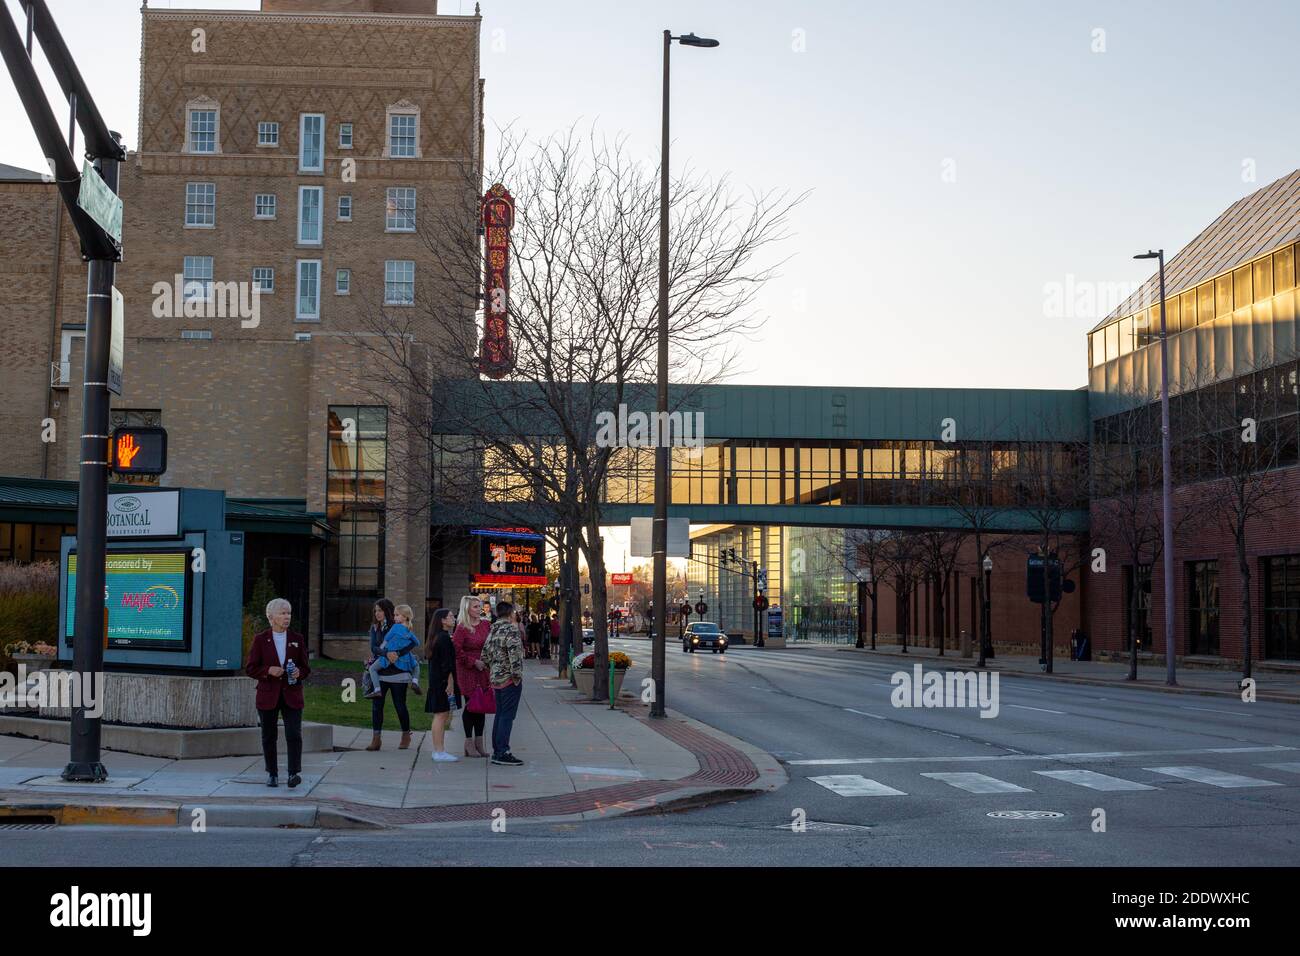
595 551
873 610
1243 567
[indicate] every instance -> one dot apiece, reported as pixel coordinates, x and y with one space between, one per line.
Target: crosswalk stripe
855 785
1215 778
1288 767
976 783
1093 780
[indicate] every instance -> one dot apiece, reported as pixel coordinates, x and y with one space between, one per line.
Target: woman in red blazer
268 664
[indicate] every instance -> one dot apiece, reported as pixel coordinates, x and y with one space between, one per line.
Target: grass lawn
325 704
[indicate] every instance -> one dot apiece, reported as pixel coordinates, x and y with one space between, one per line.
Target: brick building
295 151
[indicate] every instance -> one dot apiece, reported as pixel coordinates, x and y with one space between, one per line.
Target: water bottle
292 670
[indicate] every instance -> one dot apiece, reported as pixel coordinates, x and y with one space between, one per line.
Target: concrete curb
966 664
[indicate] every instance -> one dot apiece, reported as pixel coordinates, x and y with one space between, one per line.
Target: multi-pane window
308 308
345 136
197 278
399 211
311 143
196 334
310 199
200 204
343 282
345 208
264 206
1282 607
399 282
355 493
402 135
203 131
1203 607
264 279
268 134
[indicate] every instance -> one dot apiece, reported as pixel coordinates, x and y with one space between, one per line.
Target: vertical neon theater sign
496 355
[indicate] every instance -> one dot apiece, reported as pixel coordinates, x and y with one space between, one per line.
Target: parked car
704 634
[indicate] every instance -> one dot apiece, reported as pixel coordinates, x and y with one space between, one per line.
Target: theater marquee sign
496 356
510 557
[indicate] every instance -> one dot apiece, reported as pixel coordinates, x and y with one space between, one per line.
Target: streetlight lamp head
691 39
1147 255
988 563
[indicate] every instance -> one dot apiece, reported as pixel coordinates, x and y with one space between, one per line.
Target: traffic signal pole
102 253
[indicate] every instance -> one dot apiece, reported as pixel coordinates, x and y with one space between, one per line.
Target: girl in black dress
441 654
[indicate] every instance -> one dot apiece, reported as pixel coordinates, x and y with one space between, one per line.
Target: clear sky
963 157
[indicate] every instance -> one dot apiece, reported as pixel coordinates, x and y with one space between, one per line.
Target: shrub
262 595
587 661
29 603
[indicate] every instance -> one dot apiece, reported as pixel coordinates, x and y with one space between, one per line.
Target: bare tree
940 550
905 566
583 316
1233 438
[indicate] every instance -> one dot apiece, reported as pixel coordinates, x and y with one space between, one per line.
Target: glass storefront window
1222 296
1203 607
1284 269
1187 303
1112 341
1205 302
355 497
1263 279
1282 607
1243 295
1126 335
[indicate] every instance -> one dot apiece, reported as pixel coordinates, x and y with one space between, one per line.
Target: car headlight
722 639
695 640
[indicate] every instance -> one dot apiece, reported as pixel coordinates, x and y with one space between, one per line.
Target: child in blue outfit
401 639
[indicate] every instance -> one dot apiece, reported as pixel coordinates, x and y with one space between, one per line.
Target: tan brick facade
246 410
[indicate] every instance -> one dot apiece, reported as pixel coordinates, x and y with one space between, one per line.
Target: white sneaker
441 756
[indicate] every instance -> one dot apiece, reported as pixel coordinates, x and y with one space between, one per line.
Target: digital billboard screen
510 557
147 595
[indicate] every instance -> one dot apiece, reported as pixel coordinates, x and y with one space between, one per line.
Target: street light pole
1166 481
986 614
659 528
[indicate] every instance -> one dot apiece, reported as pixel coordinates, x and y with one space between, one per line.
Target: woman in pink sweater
471 674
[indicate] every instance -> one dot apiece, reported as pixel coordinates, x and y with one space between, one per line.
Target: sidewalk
1270 685
582 760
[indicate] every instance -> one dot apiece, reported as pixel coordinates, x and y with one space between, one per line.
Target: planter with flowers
584 671
37 656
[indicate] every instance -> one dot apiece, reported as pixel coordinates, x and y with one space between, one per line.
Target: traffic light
138 450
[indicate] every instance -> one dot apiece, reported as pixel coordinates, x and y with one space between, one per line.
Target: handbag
482 701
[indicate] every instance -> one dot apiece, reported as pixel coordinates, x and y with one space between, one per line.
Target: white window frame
302 143
298 314
390 199
186 295
191 190
348 200
402 108
389 280
203 104
257 286
343 282
268 134
320 209
345 127
257 204
196 335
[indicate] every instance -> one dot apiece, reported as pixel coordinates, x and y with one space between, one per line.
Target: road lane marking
853 785
1288 767
1093 780
1215 778
1098 755
1041 710
1209 710
976 783
865 714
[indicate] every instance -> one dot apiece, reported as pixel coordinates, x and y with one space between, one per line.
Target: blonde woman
471 673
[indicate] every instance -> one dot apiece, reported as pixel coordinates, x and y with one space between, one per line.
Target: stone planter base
585 679
173 700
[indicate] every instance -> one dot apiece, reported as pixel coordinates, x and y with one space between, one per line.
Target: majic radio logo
159 596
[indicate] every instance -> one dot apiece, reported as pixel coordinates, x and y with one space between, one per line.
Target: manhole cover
1026 815
817 826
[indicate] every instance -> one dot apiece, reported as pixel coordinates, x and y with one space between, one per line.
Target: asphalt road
1177 779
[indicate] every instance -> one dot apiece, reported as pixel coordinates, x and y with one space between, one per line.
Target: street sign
679 537
701 609
99 202
116 344
1034 579
762 579
138 450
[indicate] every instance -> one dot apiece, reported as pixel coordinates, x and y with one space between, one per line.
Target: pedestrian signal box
138 450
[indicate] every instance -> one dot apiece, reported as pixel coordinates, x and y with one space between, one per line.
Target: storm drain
1026 815
27 823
